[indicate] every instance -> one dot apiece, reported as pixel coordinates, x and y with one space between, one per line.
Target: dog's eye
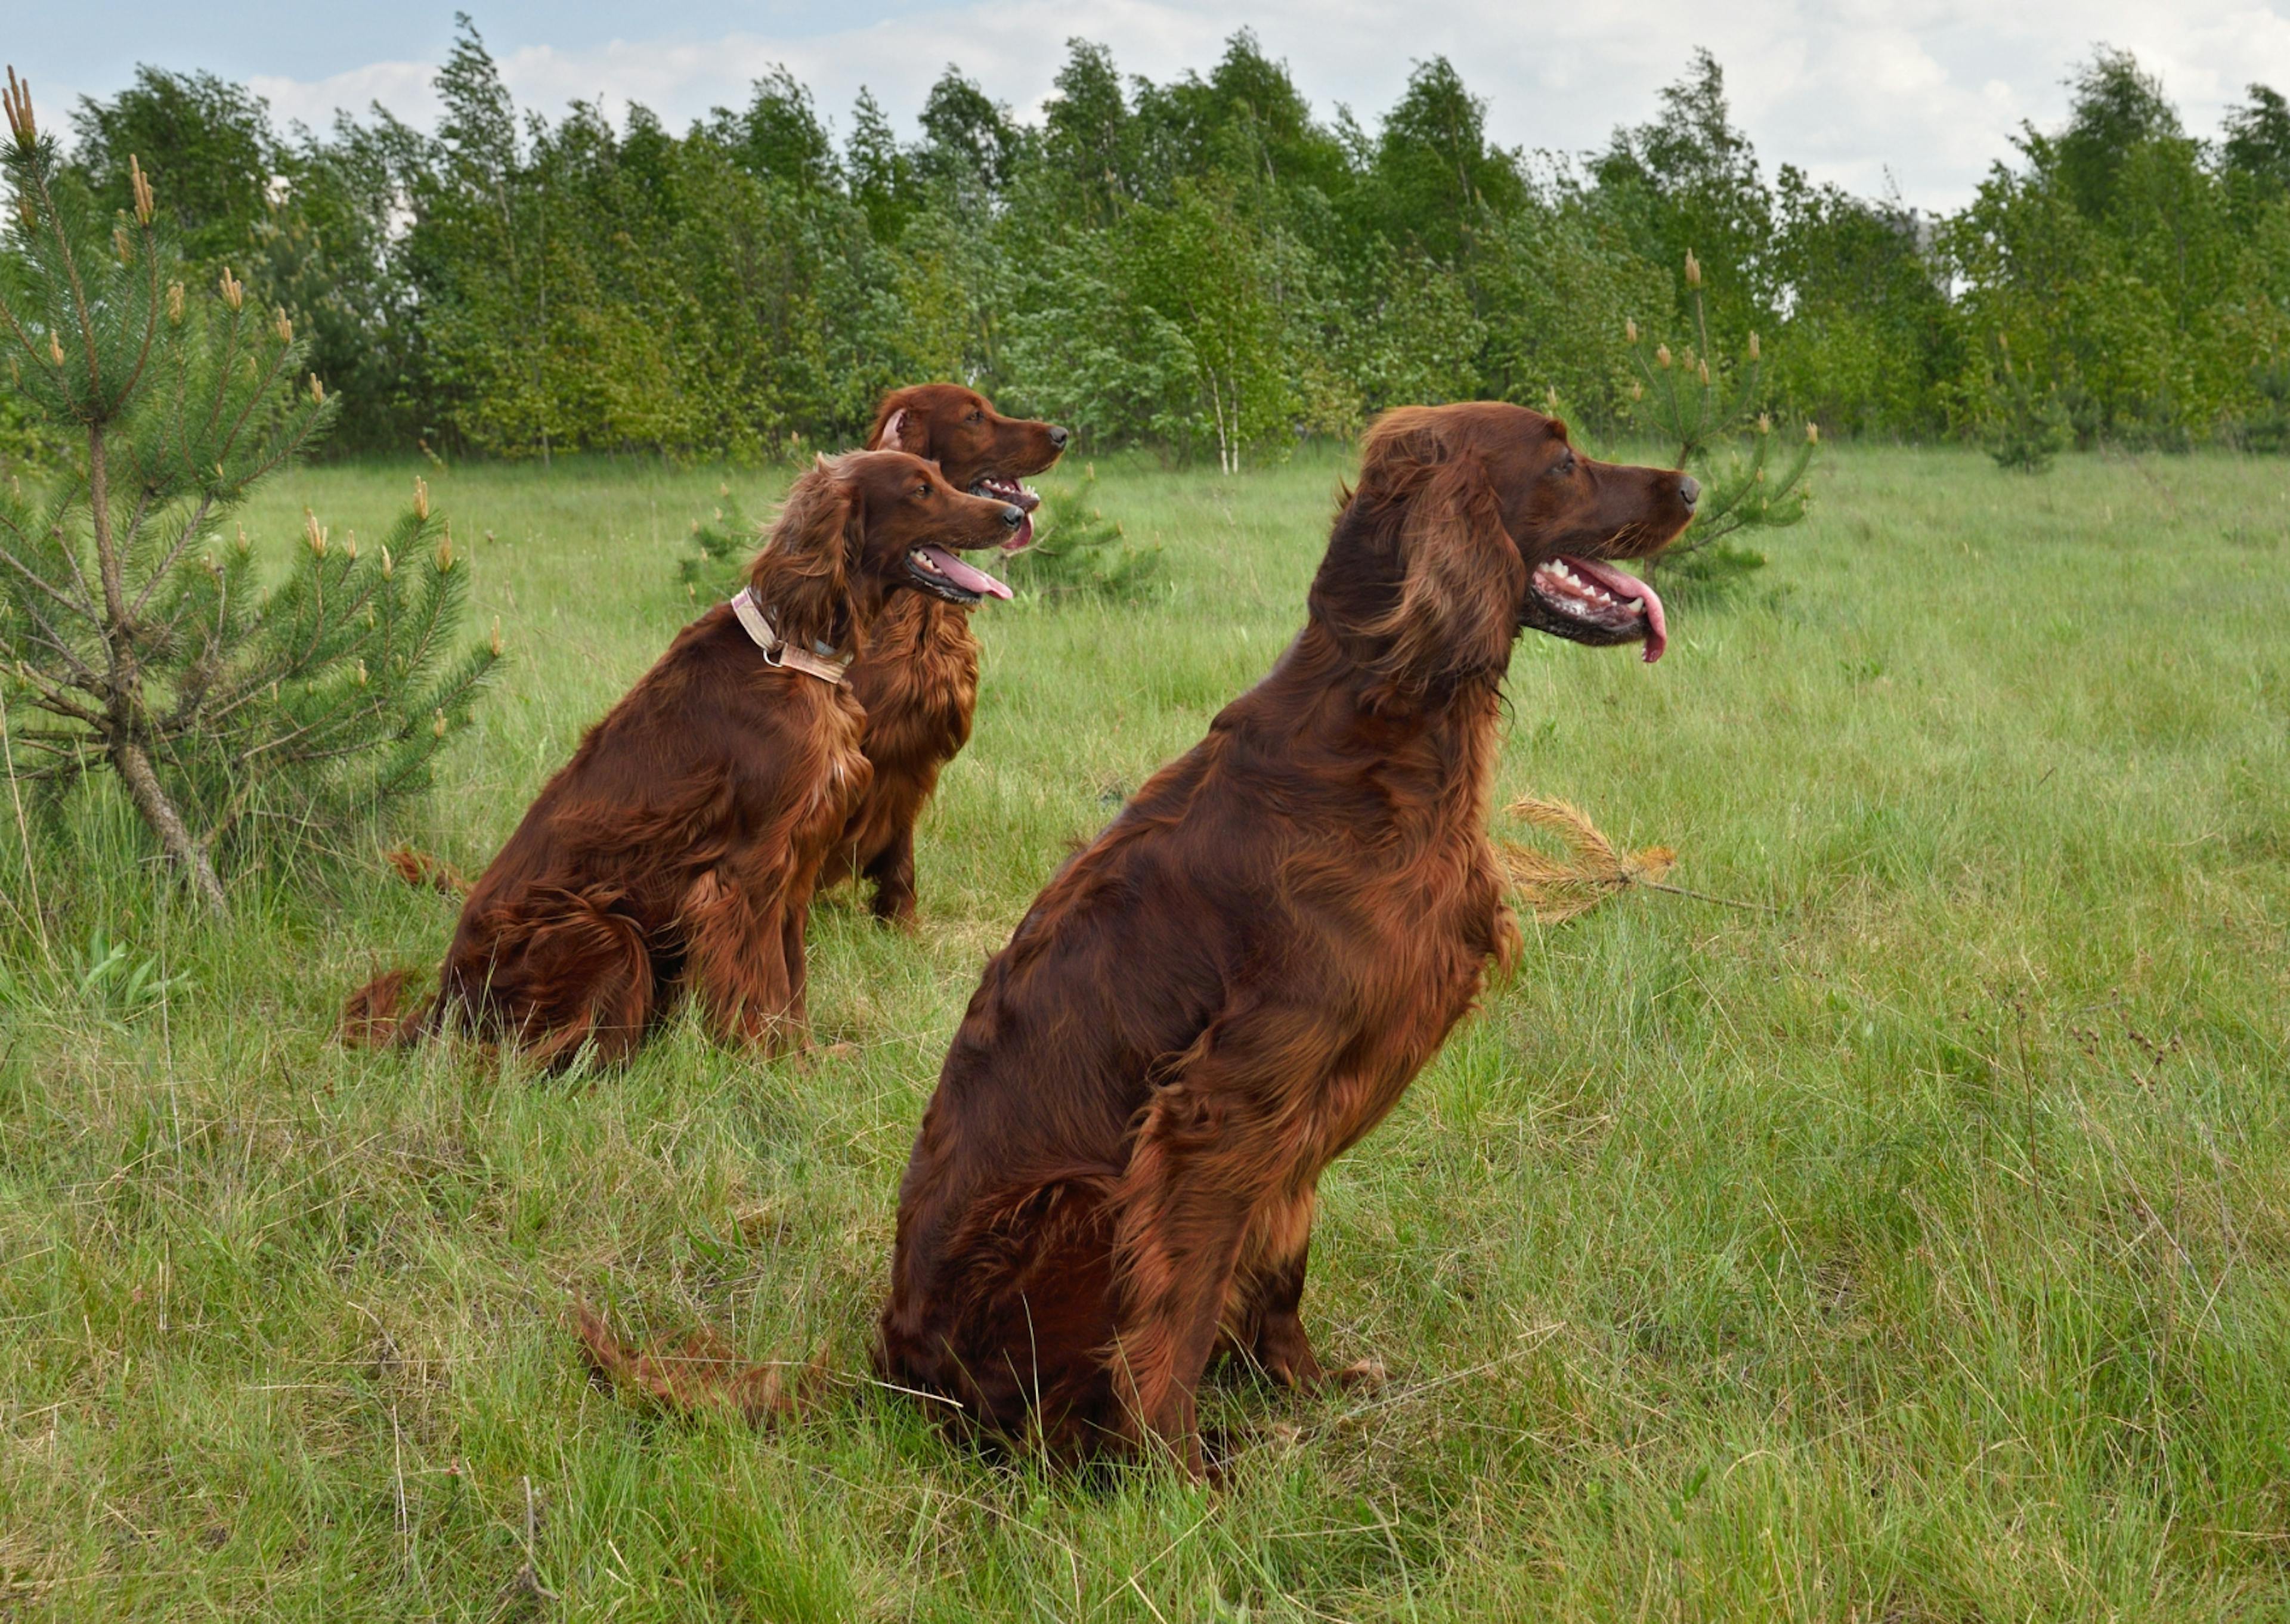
921 494
977 416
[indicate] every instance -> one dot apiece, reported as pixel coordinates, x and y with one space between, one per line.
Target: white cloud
1929 92
402 87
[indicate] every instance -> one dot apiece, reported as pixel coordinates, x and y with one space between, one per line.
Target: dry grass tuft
1557 889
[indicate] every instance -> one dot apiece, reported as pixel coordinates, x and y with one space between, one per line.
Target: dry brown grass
1557 889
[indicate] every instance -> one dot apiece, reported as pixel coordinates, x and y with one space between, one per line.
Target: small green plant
2030 426
1708 409
1078 552
126 617
117 980
721 547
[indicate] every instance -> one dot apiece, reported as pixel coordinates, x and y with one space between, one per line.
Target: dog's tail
376 1017
698 1373
427 872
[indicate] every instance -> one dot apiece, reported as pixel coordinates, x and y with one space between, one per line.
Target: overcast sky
1926 91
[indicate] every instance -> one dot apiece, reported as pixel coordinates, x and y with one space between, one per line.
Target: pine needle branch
1557 889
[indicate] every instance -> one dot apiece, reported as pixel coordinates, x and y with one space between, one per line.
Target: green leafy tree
1434 180
1559 283
1869 341
972 147
206 143
779 135
326 250
2256 155
142 638
1086 137
1689 182
1212 275
482 250
1088 348
1414 338
882 174
1245 127
2108 256
2119 110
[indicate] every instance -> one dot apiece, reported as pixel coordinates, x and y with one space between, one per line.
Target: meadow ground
1919 1250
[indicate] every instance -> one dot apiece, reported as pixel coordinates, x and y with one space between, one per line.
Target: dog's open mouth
999 489
938 572
1612 604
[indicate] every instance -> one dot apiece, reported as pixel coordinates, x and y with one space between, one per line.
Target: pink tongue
1022 536
961 575
1625 586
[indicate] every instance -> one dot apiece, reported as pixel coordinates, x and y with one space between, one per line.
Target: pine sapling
721 547
2028 425
1078 552
126 617
1708 409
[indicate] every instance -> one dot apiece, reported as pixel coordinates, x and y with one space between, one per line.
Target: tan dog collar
777 650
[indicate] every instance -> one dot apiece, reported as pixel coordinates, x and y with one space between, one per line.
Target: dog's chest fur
842 775
919 683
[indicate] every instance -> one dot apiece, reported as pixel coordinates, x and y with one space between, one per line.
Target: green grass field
1919 1250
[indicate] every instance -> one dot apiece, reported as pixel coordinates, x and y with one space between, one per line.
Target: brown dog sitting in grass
678 849
917 678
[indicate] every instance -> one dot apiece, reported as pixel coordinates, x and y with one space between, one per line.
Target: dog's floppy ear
1456 610
802 577
895 428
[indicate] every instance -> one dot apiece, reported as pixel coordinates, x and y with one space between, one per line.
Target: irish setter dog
1240 976
1115 1179
918 679
678 849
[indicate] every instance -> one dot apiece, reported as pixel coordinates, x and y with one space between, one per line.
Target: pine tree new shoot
137 637
1710 412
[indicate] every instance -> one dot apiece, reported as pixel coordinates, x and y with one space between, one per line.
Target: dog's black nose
1014 516
1689 488
1058 437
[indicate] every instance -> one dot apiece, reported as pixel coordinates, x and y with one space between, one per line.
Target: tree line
1203 266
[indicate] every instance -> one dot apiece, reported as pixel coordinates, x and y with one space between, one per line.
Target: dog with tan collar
678 849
